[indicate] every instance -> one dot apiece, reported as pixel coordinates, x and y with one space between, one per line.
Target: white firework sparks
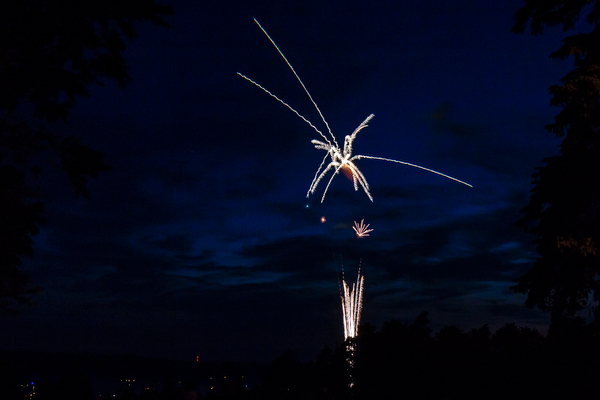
351 297
339 158
361 229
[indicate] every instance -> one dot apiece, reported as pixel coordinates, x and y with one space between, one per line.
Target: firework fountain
351 296
351 305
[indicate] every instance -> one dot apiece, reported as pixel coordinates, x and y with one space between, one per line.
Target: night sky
201 240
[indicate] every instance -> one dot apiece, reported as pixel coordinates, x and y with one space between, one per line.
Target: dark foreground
400 361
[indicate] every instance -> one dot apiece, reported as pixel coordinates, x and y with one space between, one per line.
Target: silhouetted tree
149 393
285 378
564 208
51 51
170 391
10 387
394 362
328 377
20 216
128 394
72 385
404 361
226 384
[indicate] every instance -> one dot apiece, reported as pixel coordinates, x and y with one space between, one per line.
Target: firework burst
361 229
340 159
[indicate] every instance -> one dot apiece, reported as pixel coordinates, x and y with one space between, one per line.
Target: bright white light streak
339 158
351 296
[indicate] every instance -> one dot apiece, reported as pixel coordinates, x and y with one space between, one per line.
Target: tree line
408 360
401 360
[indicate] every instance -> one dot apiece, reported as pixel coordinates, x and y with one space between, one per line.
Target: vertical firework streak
351 297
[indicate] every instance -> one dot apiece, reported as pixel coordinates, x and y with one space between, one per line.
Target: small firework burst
361 229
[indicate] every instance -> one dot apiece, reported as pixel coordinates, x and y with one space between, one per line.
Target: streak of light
351 296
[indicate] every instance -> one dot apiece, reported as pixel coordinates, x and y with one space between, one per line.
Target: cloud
443 124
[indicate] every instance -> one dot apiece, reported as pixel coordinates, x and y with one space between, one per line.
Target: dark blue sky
201 240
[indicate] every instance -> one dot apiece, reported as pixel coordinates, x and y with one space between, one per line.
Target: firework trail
351 296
